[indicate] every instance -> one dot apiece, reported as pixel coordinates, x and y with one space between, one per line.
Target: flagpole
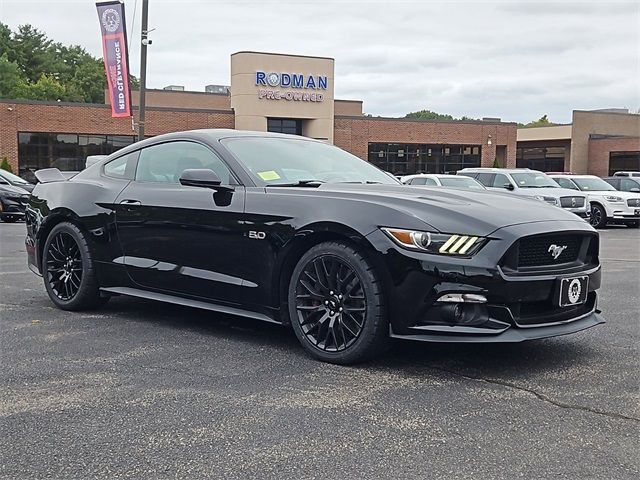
143 67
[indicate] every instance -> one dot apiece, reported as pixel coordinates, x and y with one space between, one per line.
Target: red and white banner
116 56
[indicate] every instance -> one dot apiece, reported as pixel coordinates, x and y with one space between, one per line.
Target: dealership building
295 94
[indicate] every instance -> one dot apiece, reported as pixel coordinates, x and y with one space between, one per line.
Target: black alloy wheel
336 304
331 303
598 216
64 266
67 269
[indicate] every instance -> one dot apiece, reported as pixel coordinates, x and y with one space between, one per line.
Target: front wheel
336 304
598 216
67 269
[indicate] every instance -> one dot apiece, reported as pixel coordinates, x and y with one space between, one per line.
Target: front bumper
509 335
12 207
519 306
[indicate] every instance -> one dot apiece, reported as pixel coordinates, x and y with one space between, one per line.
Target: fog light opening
464 314
462 298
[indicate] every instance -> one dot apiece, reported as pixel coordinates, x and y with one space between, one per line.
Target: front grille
539 251
634 202
572 202
551 252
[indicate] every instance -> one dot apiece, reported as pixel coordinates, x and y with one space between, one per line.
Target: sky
517 60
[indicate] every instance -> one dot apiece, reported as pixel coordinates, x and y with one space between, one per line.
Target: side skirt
161 297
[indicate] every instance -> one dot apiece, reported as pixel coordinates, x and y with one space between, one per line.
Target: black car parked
8 178
291 230
13 201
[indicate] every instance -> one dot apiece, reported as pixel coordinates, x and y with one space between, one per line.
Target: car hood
613 193
452 210
551 192
12 190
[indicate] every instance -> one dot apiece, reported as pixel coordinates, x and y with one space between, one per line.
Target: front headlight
549 200
438 243
612 199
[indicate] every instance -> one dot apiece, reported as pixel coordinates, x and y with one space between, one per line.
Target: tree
33 53
10 77
5 165
46 88
543 121
429 115
32 66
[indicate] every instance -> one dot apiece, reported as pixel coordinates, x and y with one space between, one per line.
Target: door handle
130 203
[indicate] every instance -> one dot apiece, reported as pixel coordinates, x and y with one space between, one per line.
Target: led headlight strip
459 244
439 243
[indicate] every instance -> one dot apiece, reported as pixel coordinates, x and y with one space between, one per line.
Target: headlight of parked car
612 199
549 200
438 243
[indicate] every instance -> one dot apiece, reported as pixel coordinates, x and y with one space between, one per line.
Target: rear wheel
336 304
67 269
598 216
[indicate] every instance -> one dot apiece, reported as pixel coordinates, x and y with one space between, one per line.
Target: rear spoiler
49 175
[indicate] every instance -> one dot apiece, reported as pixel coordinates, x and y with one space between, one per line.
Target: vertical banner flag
116 57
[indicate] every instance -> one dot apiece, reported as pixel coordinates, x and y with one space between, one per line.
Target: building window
65 151
624 162
284 125
545 159
407 159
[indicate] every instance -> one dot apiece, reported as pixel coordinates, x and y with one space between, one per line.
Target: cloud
516 60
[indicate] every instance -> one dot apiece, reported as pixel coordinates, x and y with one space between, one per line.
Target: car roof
205 134
559 175
496 170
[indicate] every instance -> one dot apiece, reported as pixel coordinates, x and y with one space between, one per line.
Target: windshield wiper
366 182
299 183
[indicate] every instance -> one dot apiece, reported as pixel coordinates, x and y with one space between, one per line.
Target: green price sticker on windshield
269 175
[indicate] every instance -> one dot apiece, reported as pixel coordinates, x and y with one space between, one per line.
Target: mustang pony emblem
556 250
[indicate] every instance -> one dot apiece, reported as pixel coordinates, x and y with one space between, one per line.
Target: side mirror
509 186
635 189
204 178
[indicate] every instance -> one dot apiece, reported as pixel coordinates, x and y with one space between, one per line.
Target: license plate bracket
572 291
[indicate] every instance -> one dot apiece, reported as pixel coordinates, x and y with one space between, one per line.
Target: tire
336 305
598 216
68 271
634 224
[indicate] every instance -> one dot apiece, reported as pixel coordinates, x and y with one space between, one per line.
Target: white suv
442 180
531 183
607 203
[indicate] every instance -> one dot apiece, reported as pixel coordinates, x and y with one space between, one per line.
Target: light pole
143 66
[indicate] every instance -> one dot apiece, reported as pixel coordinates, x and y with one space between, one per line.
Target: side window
565 183
430 181
165 162
485 179
626 185
500 180
122 167
418 181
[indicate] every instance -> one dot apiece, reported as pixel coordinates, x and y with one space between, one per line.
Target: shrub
4 165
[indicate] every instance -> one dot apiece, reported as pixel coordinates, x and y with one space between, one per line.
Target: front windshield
461 182
281 161
533 180
594 184
10 177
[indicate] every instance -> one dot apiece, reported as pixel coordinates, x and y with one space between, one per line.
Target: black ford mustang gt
291 230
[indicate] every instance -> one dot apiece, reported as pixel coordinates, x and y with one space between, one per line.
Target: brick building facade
354 132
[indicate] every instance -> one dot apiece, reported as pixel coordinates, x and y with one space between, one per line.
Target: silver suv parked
530 183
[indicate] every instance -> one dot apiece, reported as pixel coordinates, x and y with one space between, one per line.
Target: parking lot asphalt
149 390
